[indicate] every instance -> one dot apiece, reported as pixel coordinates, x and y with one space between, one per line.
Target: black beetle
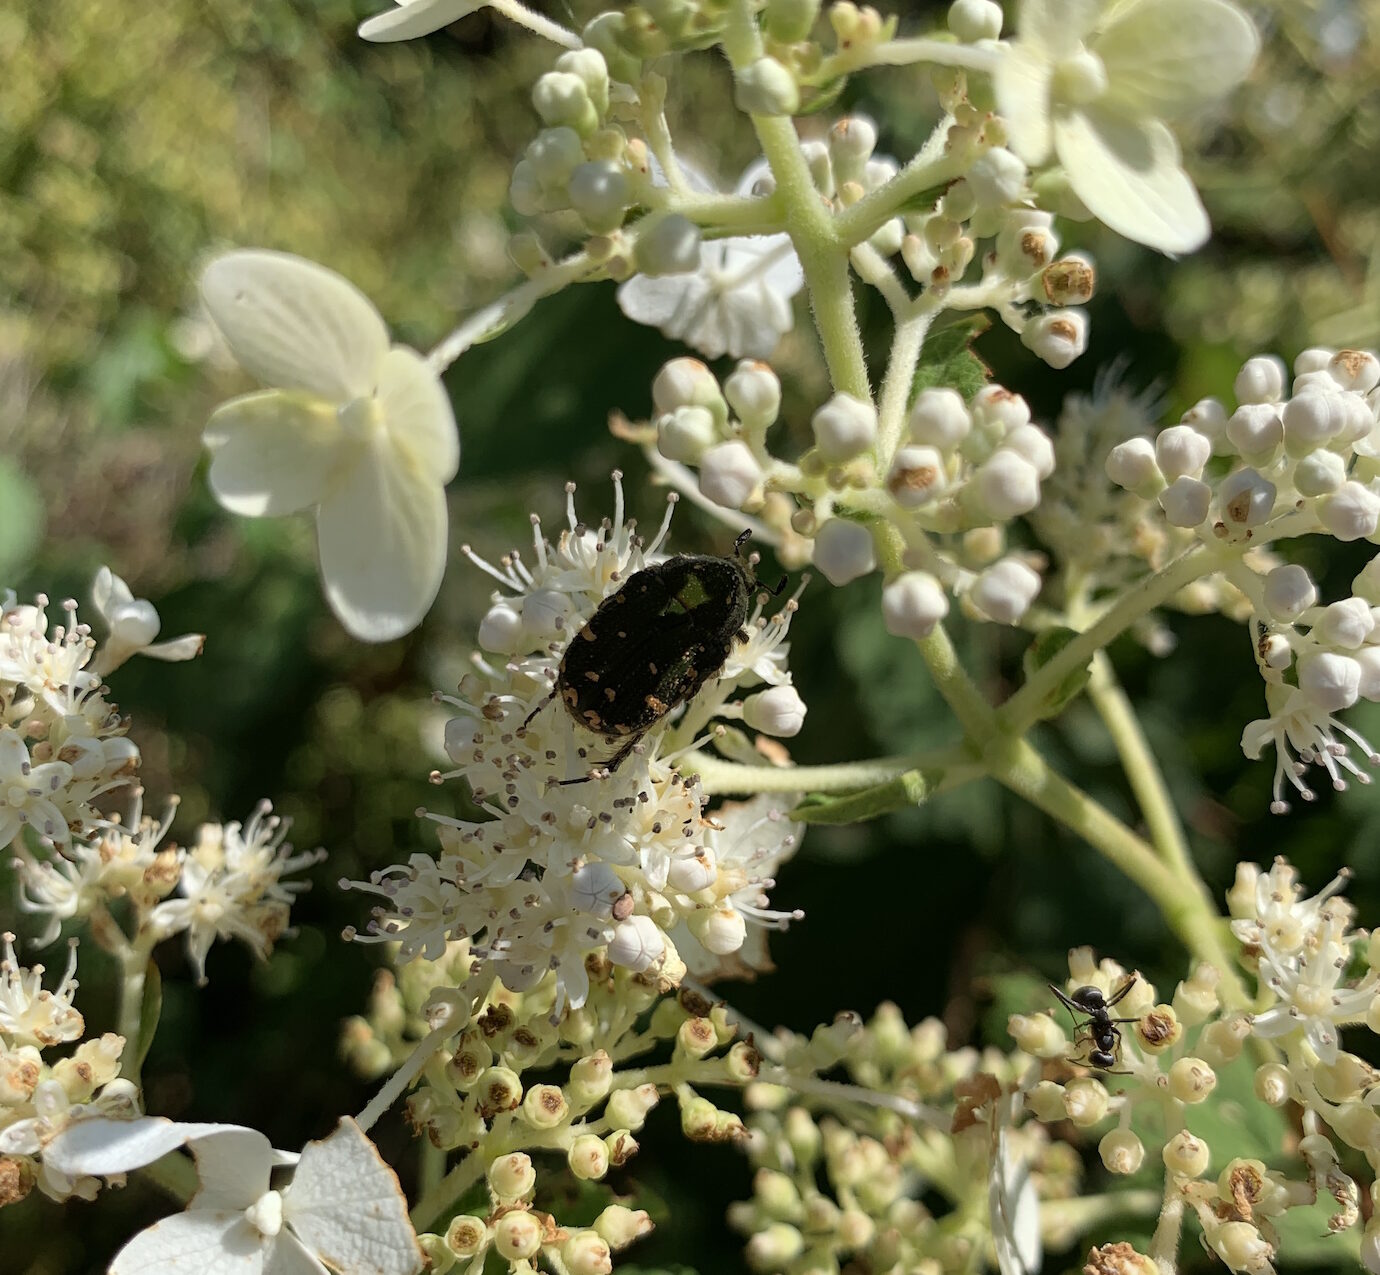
651 645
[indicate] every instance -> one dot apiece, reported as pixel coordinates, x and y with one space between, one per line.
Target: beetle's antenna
741 541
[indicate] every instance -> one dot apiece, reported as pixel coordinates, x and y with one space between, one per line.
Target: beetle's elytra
651 645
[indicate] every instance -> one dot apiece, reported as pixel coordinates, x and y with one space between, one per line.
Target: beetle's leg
546 699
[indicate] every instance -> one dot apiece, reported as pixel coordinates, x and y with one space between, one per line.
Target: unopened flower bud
729 474
1181 450
686 382
844 551
1256 431
1005 590
1186 1155
554 154
1121 1151
1289 592
1330 682
1313 359
1344 1079
588 1157
1357 1124
844 427
1185 502
773 1248
512 1177
517 1235
1261 380
997 178
500 1089
1037 1035
851 143
686 434
672 246
1069 281
590 1078
1058 337
1357 370
620 1226
1032 444
1241 1246
1119 1259
466 1235
628 1108
777 711
721 930
1191 1080
1085 1101
973 20
939 418
765 87
754 393
1246 499
913 604
1352 512
1345 624
544 1106
1004 486
636 944
501 630
599 193
1319 473
917 476
1046 1102
1132 465
1209 418
562 99
587 1253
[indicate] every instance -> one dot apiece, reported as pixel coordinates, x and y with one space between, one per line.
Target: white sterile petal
98 1147
1167 57
195 1243
656 302
1015 1211
415 17
289 1256
1022 81
382 538
417 411
175 650
233 1164
109 592
783 273
346 1205
1127 172
271 453
294 324
1055 26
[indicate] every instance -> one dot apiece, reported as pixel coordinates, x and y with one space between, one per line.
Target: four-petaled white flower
739 300
361 431
342 1211
1091 82
411 18
133 624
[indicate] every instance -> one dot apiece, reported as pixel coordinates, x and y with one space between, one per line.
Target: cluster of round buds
1172 1054
962 471
40 1096
827 1194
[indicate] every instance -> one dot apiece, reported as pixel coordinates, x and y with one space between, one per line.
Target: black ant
1098 1028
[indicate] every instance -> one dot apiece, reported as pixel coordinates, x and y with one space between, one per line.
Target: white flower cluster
958 476
1302 459
39 1096
577 855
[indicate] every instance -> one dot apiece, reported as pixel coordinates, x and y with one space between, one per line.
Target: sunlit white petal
210 1243
418 413
414 18
1022 83
271 453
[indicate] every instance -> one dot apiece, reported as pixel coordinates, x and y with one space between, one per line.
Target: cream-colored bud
1085 1101
1186 1155
620 1226
1158 1029
1343 1079
628 1108
621 1146
803 1134
590 1078
1358 1126
1046 1101
587 1253
773 1248
588 1157
698 1119
544 1107
696 1037
777 1195
517 1236
498 1089
1191 1080
1221 1042
1272 1084
467 1235
512 1177
1195 999
1038 1035
1241 1246
1121 1151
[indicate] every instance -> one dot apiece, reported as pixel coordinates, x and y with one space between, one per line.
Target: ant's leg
1125 987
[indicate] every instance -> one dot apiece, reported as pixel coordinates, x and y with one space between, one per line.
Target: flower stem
394 1086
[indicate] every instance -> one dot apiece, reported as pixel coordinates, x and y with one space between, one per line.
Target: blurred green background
137 140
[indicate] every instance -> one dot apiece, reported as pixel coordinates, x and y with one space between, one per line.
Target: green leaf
150 1010
825 96
1045 647
910 789
21 519
948 359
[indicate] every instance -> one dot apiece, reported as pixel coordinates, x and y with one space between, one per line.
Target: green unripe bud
561 99
588 1157
777 1195
593 72
775 1247
803 1135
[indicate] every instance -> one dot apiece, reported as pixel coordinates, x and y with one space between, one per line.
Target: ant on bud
1097 1030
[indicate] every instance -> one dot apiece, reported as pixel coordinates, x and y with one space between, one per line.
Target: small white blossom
1087 83
133 625
232 887
30 1014
739 300
357 429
